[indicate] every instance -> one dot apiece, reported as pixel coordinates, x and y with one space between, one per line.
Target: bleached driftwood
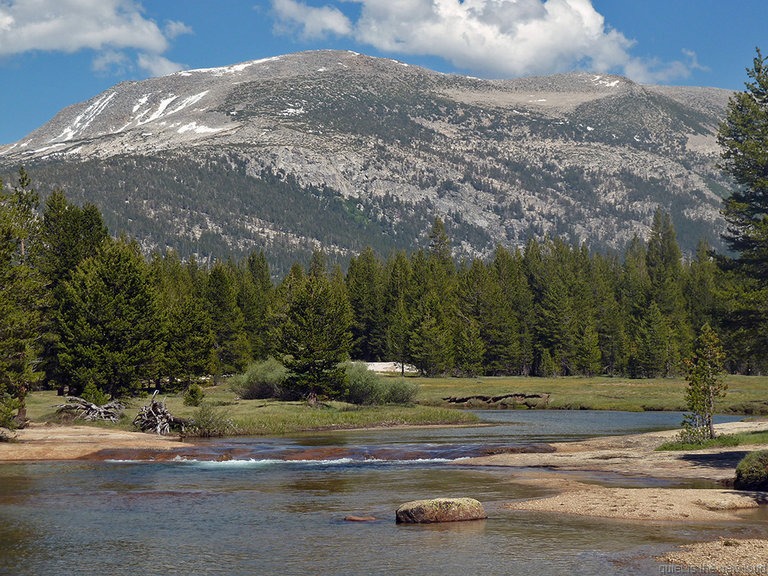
155 417
89 411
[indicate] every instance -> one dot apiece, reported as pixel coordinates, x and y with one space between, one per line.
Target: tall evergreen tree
228 323
436 305
665 271
256 302
69 234
190 341
22 295
470 349
109 322
743 136
398 302
652 357
315 336
365 286
514 315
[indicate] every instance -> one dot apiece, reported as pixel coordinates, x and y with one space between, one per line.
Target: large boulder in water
440 510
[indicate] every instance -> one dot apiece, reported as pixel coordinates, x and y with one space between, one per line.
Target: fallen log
155 417
528 400
88 411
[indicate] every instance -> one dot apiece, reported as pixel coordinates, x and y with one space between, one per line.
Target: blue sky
54 53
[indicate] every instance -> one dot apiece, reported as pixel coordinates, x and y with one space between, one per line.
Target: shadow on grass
718 460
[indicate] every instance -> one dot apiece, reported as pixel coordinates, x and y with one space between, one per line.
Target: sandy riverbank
635 456
57 442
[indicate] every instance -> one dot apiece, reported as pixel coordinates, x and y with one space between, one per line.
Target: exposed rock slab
440 510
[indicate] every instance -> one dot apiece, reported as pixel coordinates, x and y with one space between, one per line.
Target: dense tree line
86 309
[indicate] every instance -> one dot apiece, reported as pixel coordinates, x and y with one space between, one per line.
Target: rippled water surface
277 507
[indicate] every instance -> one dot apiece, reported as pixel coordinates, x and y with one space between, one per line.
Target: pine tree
109 322
663 261
652 344
366 295
470 349
700 287
588 359
743 136
68 235
315 337
704 374
22 296
256 303
514 314
432 346
228 323
190 341
398 301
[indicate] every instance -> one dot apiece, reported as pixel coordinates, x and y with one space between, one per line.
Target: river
276 506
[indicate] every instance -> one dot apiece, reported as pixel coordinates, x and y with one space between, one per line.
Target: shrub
752 471
94 394
260 380
366 387
194 395
8 407
208 421
363 385
400 391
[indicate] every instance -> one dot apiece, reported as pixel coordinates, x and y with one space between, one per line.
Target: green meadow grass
746 395
724 440
272 417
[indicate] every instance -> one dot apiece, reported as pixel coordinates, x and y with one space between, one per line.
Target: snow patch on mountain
198 129
223 70
82 121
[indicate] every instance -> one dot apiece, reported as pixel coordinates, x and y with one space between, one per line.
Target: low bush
209 421
194 395
400 391
363 385
8 407
366 387
752 471
260 380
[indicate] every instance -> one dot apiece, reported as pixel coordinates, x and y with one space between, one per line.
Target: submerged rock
440 510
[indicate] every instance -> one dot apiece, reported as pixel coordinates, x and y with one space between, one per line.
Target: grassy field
721 441
270 417
746 394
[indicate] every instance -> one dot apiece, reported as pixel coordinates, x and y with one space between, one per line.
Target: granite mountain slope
344 150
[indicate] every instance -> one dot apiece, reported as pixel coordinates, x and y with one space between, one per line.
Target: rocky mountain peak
236 152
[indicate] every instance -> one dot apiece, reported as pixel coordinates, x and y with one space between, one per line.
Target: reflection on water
280 510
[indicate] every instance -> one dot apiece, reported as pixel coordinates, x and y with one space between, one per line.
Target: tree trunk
709 414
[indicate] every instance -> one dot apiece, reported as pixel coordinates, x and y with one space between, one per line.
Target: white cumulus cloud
501 38
105 26
310 22
157 65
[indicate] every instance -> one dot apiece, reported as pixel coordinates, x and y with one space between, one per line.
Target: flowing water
276 506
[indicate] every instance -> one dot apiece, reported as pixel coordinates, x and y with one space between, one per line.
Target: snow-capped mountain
344 150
